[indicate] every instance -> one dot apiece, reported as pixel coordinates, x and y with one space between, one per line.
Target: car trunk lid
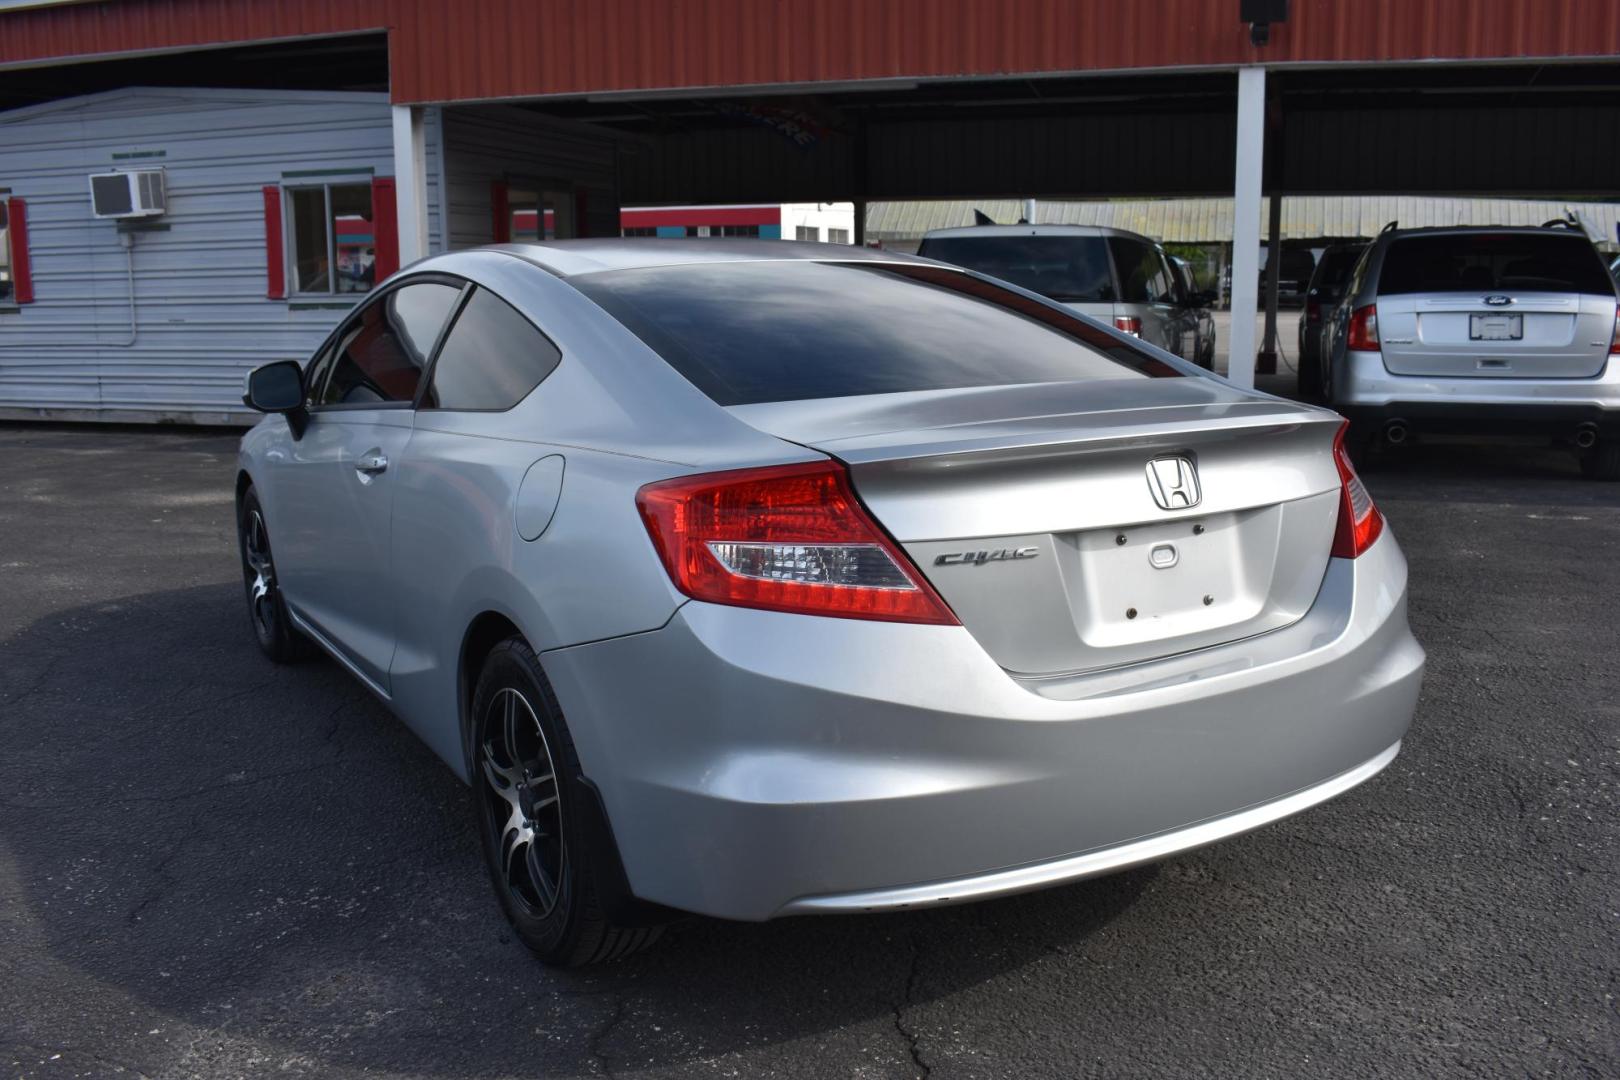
1496 335
1048 515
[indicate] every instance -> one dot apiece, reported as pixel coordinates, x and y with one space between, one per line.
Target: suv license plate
1496 327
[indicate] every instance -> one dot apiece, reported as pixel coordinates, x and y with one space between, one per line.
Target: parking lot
213 866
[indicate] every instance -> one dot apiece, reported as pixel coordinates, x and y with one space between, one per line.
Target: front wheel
526 793
272 626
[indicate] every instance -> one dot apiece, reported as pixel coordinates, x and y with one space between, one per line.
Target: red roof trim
518 48
701 215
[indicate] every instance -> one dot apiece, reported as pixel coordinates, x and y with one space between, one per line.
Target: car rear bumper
1556 421
1366 392
1092 863
756 764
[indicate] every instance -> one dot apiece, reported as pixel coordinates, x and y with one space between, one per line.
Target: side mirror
278 388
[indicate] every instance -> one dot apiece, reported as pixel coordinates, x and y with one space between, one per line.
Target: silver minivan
1117 277
1481 331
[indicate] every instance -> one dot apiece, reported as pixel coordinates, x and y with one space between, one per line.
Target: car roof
1031 230
567 258
1484 230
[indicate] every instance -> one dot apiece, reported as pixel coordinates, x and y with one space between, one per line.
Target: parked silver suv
1482 330
1120 278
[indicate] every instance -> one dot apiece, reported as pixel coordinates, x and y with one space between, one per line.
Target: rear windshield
748 332
1066 268
1485 262
1334 269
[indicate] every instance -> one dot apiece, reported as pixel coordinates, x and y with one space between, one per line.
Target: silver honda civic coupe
757 579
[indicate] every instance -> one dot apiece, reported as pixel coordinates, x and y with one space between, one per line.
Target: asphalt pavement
214 867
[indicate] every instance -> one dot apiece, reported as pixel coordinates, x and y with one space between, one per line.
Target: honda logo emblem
1173 479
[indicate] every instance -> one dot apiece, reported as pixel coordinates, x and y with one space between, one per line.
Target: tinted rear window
1492 262
1334 269
1067 268
750 332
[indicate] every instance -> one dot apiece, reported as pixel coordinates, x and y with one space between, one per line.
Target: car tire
267 608
1310 379
527 784
1602 462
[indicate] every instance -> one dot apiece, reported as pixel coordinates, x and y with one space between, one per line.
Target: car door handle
371 464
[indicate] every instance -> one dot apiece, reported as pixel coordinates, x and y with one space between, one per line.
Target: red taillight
1360 523
1614 338
784 538
1128 324
1362 335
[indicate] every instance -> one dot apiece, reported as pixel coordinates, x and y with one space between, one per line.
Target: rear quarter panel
457 553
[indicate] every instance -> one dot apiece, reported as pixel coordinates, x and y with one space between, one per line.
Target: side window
491 358
316 370
380 353
1143 278
1181 283
7 289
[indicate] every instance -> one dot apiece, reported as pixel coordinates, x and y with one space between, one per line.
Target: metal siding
1574 148
442 51
488 143
1209 221
203 316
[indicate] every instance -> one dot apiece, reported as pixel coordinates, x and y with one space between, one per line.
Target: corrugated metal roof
442 51
1208 221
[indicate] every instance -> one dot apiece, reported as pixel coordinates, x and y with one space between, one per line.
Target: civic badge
1173 479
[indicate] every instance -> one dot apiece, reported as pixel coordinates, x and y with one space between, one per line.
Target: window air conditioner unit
128 194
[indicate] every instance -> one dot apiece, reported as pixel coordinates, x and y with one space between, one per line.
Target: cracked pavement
214 867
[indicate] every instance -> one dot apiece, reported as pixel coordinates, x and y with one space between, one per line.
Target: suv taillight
1362 335
1360 523
784 538
1128 324
1313 311
1614 338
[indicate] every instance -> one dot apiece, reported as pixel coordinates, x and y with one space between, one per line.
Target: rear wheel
1602 462
526 793
266 608
1310 378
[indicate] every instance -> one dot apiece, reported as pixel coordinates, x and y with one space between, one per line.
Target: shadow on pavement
266 850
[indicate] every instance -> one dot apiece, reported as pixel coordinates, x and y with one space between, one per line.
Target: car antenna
1388 228
982 218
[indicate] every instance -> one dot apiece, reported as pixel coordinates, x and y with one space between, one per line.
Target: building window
8 289
639 230
334 245
837 236
541 215
807 232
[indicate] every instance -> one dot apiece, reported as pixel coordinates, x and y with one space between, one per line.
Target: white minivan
1117 277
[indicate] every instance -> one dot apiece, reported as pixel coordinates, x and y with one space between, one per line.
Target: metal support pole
1251 143
410 183
1266 364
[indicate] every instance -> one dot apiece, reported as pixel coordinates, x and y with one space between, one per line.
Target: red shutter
384 228
275 267
500 212
22 278
582 223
